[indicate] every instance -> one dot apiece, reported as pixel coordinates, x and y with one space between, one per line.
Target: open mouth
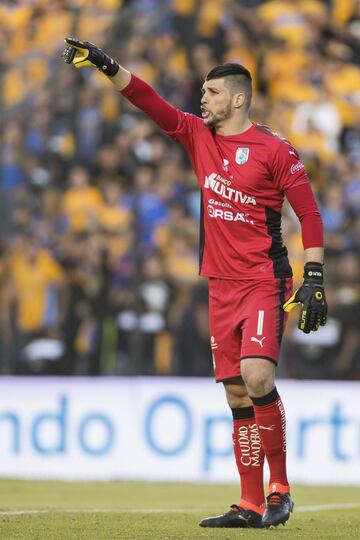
204 113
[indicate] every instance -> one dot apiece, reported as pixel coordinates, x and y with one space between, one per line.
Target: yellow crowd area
85 174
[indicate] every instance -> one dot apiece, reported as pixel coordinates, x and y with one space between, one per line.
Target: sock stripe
267 399
241 413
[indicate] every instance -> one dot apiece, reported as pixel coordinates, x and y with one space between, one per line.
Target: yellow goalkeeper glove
86 54
311 296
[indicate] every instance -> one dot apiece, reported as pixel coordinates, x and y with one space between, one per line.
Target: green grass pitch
152 511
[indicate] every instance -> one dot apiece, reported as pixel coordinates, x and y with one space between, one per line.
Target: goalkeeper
245 171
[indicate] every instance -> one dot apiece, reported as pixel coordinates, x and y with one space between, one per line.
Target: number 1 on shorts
260 323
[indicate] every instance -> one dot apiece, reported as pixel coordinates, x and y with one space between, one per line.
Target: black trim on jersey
237 377
281 313
201 233
259 356
277 252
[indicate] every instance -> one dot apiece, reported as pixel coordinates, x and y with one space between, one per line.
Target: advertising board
166 429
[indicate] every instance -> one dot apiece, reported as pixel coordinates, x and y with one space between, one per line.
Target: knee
258 376
237 396
257 384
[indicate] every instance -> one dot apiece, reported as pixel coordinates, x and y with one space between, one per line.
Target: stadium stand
99 210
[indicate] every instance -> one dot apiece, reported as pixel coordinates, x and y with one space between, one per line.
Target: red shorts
247 320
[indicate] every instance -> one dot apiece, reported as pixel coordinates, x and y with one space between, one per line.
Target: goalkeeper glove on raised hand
86 54
311 296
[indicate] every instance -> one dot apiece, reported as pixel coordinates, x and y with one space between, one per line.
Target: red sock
249 457
270 419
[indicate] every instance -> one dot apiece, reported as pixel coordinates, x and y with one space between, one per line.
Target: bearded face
216 103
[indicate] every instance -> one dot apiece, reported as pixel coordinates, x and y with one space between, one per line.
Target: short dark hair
238 78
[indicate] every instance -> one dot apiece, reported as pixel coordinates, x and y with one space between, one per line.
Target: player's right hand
311 297
86 54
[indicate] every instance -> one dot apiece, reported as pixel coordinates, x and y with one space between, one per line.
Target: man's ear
239 100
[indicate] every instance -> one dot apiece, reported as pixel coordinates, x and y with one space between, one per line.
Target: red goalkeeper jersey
243 180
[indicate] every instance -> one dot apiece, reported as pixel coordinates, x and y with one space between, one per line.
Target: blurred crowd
99 209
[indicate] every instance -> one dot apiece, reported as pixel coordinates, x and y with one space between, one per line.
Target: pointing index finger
76 43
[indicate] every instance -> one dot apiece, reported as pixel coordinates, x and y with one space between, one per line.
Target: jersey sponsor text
227 215
296 167
216 183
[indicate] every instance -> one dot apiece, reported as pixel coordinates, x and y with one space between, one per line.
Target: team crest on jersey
242 155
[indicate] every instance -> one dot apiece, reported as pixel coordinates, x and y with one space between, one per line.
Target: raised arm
85 54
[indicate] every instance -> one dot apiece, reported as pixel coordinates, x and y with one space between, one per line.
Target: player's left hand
85 54
311 296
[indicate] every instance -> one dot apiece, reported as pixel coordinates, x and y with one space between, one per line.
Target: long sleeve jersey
243 179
